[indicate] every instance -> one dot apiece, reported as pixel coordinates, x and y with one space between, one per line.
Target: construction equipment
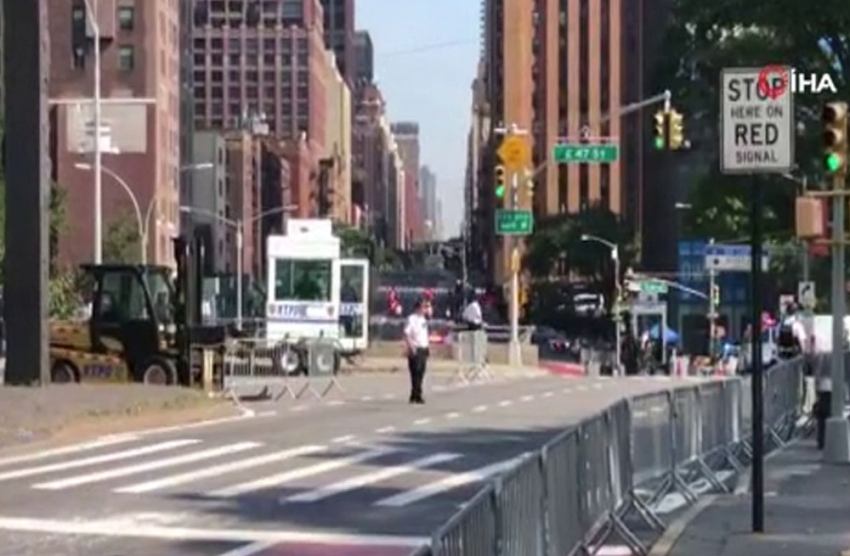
142 326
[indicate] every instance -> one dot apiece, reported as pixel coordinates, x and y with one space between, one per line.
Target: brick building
140 83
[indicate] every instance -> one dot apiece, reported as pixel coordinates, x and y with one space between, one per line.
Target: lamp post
615 257
239 227
91 15
143 221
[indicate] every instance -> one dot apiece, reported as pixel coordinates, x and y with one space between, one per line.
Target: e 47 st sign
756 122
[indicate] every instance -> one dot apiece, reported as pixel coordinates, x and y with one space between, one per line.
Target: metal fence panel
472 347
713 415
651 432
619 451
563 500
472 531
686 425
520 498
733 392
594 475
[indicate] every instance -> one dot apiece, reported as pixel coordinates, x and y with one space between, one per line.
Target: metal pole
515 354
618 350
98 176
712 309
807 273
239 271
757 360
837 433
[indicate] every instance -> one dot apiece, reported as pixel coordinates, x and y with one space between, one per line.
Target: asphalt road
364 473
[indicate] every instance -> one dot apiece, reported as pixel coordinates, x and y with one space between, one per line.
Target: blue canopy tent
670 335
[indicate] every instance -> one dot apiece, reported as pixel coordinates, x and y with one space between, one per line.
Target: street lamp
98 184
239 226
615 257
143 221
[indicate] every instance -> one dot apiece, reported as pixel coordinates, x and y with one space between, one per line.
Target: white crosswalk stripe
342 468
191 457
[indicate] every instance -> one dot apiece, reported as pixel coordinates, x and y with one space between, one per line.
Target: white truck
314 294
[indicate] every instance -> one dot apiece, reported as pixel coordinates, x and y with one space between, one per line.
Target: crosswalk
397 474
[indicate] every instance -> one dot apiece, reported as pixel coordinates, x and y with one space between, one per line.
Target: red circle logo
769 86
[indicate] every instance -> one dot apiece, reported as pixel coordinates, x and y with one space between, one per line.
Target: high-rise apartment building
265 60
140 88
428 188
339 34
335 174
407 138
364 58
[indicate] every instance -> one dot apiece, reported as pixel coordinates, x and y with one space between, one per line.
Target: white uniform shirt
472 313
416 331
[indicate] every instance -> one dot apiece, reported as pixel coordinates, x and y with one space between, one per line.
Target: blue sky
426 52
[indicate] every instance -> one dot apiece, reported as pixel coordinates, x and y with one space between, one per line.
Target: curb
668 540
563 368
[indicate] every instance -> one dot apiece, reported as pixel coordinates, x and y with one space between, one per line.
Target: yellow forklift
143 326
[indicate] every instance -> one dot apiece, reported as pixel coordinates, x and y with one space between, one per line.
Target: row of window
251 76
251 92
126 58
250 45
126 16
286 61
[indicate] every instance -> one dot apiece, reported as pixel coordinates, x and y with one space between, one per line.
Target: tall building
187 109
140 86
339 34
335 174
369 145
428 188
265 60
209 197
407 138
364 58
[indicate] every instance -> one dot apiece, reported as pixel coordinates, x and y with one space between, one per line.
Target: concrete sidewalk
807 512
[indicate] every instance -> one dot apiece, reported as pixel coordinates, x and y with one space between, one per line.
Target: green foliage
704 37
557 242
358 243
121 242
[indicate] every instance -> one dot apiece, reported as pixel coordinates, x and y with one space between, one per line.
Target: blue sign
692 272
731 258
350 309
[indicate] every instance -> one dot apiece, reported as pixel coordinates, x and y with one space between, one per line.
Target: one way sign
806 294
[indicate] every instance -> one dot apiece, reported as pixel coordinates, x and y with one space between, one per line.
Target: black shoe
420 400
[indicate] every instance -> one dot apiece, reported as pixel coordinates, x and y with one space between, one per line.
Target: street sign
586 153
757 122
514 152
514 222
806 295
653 287
731 258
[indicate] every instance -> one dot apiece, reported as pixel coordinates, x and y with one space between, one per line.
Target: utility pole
713 302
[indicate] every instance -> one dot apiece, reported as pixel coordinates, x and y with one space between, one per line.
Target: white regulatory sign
806 295
756 123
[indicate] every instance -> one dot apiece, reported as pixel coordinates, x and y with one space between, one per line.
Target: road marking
123 529
298 408
367 479
95 460
300 473
389 396
443 485
103 442
505 403
384 430
147 466
479 409
598 386
424 421
250 549
216 470
366 398
548 394
343 439
527 398
582 388
244 414
566 391
452 415
335 403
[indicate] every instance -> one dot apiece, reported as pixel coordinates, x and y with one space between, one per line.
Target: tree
704 37
122 242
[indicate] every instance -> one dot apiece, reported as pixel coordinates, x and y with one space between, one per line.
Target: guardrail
582 487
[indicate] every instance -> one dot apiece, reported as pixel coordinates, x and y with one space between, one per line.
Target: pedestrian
416 343
472 316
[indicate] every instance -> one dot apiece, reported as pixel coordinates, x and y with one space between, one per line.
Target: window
121 299
78 14
78 58
161 293
126 58
126 18
302 280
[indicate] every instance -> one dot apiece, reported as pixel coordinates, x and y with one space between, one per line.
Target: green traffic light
659 143
500 191
833 162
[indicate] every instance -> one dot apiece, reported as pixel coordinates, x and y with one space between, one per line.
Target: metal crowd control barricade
471 353
257 369
321 368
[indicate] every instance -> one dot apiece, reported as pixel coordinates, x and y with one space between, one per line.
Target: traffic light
715 296
500 181
660 140
676 131
835 138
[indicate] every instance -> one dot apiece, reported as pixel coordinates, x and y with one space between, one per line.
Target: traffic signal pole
712 308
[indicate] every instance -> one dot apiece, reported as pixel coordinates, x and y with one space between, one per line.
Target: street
363 471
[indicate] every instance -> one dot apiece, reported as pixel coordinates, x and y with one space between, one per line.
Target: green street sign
653 287
585 153
514 222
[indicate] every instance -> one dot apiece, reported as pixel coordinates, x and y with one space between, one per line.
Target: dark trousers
416 364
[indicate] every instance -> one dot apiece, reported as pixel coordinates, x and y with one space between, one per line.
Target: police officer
416 344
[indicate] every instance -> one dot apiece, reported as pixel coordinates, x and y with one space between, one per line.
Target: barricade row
582 487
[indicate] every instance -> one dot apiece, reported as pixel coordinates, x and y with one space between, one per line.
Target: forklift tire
159 372
64 372
290 361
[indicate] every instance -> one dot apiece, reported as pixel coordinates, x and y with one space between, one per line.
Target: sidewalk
807 513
